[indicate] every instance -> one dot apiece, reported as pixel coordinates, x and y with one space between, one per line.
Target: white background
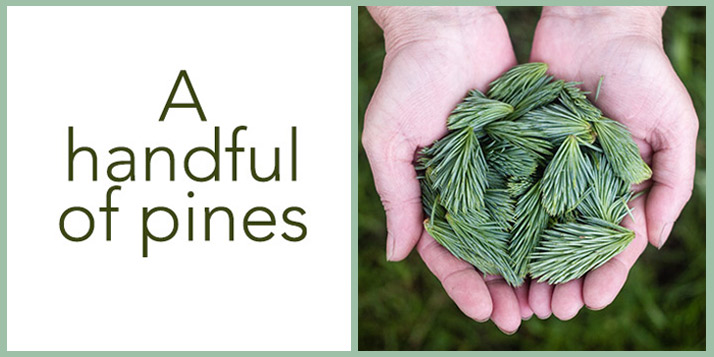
108 71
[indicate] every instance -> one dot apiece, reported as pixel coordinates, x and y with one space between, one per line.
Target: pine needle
565 178
621 151
541 94
532 219
476 111
577 102
516 81
504 157
569 250
429 195
519 185
520 134
557 122
599 85
483 244
495 179
460 171
608 196
489 242
500 207
442 232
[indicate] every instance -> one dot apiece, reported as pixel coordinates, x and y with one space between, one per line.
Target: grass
662 305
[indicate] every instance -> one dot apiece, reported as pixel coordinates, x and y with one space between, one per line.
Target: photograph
531 178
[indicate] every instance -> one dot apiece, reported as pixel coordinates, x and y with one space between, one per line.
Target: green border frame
354 84
354 139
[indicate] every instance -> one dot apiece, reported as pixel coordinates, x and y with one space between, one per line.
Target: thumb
391 158
673 166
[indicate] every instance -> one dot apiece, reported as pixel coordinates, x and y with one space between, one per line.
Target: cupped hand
641 90
433 57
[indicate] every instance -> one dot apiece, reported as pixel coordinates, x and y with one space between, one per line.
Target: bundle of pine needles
531 179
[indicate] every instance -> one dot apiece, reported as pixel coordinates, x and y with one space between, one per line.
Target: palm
641 90
423 80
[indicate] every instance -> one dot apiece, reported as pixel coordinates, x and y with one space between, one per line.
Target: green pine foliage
467 250
512 86
541 94
460 171
608 195
565 179
504 157
621 151
569 250
577 103
476 111
520 134
532 220
500 207
487 240
519 185
495 179
531 180
556 122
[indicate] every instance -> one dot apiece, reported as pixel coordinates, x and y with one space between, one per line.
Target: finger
395 179
673 166
522 296
463 284
602 285
506 312
567 299
539 297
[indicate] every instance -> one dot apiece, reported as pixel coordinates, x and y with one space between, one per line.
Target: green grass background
662 306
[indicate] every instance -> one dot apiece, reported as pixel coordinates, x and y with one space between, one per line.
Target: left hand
642 91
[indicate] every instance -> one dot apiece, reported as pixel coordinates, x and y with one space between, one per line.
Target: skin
641 90
435 55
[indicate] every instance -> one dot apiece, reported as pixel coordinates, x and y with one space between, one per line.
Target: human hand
433 57
641 90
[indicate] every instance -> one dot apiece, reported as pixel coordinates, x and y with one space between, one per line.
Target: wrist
644 21
402 25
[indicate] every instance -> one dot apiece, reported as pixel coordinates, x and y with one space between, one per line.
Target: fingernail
664 234
592 308
390 247
507 332
545 317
